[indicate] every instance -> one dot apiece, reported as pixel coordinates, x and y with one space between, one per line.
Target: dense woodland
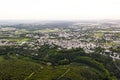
50 63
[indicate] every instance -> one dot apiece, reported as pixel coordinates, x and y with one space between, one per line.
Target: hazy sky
59 9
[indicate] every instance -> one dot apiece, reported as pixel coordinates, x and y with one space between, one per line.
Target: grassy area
48 30
99 34
19 40
108 44
1 58
21 31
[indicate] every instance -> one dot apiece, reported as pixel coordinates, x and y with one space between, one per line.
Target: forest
50 63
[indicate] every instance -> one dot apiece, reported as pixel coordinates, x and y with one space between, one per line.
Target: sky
59 9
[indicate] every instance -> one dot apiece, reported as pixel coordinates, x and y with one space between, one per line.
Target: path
116 64
29 76
63 74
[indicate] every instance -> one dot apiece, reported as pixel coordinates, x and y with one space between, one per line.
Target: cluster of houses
67 40
4 42
113 55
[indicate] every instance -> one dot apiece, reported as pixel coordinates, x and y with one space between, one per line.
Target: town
86 35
